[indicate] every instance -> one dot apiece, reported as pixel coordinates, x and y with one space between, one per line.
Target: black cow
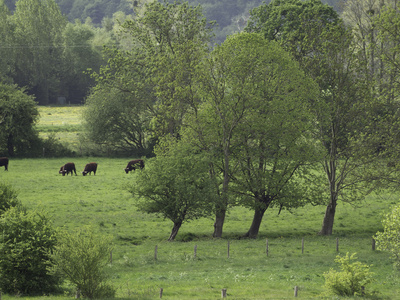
134 164
89 168
67 168
4 162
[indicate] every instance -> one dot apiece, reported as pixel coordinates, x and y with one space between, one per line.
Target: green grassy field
62 121
248 273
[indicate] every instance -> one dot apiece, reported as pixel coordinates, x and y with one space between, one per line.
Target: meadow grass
248 273
64 122
103 200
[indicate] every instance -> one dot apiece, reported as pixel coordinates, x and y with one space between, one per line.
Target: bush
81 257
25 244
351 281
389 239
8 198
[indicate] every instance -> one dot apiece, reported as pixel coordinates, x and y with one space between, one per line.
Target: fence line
267 248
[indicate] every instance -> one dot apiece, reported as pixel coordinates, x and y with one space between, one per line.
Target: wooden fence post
223 293
302 245
337 244
296 289
228 248
161 291
195 251
267 247
155 253
373 244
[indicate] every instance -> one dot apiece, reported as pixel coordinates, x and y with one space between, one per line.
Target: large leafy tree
38 46
18 115
7 53
256 120
156 76
175 184
317 38
382 137
80 53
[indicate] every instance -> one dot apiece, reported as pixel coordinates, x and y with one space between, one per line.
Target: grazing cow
89 168
134 164
4 162
67 168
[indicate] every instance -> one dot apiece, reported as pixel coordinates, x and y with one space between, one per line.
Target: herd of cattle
89 168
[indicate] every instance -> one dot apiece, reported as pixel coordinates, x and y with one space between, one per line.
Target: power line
47 46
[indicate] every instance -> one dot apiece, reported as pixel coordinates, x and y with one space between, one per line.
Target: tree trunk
255 225
10 144
175 230
327 224
219 223
222 206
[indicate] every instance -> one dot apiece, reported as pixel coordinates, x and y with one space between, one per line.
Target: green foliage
8 197
38 34
18 114
351 280
27 240
389 239
82 257
175 184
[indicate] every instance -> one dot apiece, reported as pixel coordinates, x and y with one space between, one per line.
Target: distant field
248 273
62 121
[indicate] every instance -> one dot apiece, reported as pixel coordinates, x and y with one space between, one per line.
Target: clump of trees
288 110
44 53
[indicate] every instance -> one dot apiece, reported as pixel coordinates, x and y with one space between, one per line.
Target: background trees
38 40
18 114
152 82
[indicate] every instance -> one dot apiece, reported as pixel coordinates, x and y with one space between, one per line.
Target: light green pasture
248 273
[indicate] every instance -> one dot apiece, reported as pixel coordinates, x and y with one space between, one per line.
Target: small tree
351 281
81 257
176 184
389 239
18 114
8 198
26 242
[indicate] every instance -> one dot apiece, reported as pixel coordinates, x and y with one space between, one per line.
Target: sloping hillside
230 15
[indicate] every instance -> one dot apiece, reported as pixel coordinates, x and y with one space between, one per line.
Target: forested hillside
230 15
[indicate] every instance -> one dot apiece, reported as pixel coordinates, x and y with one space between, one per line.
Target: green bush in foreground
8 198
389 239
82 257
351 281
25 244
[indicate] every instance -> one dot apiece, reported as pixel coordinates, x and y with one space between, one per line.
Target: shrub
25 244
389 239
8 198
82 257
351 281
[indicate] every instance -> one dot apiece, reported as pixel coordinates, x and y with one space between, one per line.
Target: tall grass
138 271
